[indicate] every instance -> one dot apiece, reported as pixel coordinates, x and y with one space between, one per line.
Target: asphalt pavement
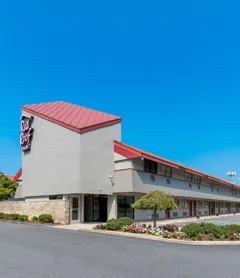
33 251
218 220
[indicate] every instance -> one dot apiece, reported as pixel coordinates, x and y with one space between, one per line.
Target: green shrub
217 231
117 224
233 229
23 218
175 235
45 218
208 227
2 215
192 230
220 232
113 224
125 221
199 237
14 216
211 237
35 219
100 227
7 216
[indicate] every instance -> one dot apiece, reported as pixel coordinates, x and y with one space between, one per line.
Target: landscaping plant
35 219
211 237
193 231
23 218
156 200
7 187
115 224
45 218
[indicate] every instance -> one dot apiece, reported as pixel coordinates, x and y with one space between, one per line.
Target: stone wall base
59 209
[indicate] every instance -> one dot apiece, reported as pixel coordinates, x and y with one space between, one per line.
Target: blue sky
169 68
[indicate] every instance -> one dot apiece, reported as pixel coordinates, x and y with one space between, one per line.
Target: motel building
75 166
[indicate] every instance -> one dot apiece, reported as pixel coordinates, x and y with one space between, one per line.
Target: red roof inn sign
26 132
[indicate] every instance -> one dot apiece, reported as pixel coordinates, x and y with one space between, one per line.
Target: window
165 170
199 186
186 176
124 206
184 204
196 179
177 202
192 178
150 166
214 183
55 197
205 204
199 204
190 185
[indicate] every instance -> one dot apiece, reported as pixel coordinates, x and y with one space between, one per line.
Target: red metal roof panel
18 175
71 116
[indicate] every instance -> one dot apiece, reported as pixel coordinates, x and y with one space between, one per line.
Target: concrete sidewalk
89 226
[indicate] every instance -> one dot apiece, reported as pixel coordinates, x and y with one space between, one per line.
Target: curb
156 238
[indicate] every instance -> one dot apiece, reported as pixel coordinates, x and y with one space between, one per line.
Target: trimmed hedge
23 218
125 221
115 224
13 216
45 218
35 219
219 232
192 230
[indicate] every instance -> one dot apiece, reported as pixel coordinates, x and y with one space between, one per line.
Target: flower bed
194 231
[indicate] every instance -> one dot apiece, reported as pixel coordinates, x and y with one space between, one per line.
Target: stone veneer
59 209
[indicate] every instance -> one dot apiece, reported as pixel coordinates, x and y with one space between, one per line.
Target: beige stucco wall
59 209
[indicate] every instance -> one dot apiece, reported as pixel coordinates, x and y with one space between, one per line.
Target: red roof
18 175
71 116
132 152
11 178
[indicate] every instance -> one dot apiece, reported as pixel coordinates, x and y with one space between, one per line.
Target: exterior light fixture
111 179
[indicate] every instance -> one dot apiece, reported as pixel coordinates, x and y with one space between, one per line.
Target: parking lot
219 220
40 251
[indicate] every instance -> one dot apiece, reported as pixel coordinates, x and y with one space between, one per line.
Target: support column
82 208
112 207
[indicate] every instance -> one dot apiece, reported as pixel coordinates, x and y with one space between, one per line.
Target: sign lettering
26 132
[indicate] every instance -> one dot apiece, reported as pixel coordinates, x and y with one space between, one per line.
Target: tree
7 187
156 200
